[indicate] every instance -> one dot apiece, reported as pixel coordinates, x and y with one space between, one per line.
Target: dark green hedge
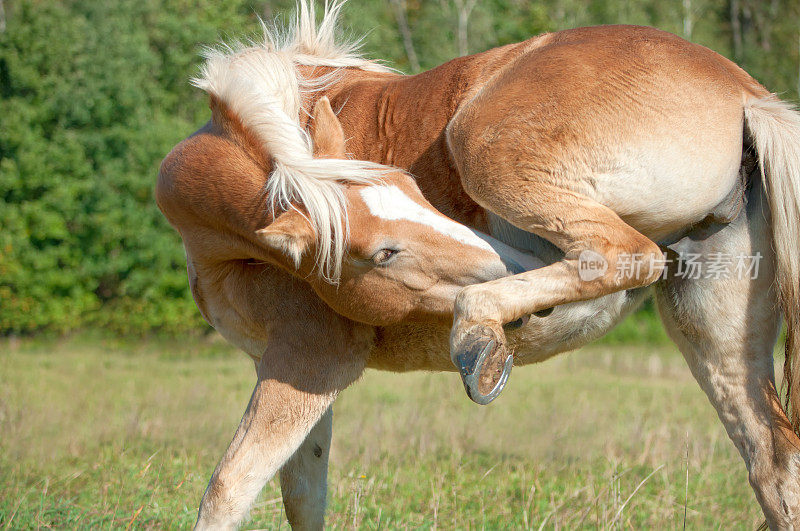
95 93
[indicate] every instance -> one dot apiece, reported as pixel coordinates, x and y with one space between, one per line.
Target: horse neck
400 120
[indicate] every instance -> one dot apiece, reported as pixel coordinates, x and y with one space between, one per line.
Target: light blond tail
775 128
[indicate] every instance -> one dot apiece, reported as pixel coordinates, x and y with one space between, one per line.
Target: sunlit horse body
610 140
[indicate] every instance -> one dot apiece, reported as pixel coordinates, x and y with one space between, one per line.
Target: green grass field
106 434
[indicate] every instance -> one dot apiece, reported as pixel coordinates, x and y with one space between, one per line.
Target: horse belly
664 187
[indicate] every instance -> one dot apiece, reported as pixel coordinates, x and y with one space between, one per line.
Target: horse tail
774 126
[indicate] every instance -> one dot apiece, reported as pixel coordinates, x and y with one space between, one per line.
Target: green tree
94 94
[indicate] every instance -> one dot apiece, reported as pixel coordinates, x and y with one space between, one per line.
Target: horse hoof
484 365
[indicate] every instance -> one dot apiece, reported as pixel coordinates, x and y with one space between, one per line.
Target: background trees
93 95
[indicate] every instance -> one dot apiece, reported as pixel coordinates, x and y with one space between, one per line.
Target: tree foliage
94 94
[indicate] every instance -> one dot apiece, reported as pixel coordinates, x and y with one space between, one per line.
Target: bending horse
596 142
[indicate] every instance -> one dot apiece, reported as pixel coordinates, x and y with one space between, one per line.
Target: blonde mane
261 84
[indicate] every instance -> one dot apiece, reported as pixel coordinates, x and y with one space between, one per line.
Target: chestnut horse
571 170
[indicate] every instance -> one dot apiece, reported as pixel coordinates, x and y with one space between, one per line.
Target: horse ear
288 239
326 131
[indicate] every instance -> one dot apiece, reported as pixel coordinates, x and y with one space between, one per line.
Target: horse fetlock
779 501
476 304
776 482
479 352
208 521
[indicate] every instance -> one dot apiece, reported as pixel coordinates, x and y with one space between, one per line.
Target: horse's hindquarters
634 119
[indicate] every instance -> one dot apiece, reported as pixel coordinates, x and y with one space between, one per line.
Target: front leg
304 478
298 379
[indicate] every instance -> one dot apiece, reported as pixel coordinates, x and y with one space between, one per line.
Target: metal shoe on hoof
484 368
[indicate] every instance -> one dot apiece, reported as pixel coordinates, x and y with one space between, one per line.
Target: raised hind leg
596 173
596 243
299 376
524 187
304 478
726 328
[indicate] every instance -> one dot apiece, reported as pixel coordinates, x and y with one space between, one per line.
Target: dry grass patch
114 434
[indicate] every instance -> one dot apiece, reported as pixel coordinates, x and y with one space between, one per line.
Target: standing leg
726 329
304 478
298 379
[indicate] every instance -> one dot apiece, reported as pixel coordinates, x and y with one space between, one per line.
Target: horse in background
308 249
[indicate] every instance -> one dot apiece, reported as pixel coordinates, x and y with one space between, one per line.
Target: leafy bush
94 94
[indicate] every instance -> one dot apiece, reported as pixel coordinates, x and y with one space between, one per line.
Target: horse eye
384 256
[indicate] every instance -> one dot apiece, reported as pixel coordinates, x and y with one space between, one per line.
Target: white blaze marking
390 203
